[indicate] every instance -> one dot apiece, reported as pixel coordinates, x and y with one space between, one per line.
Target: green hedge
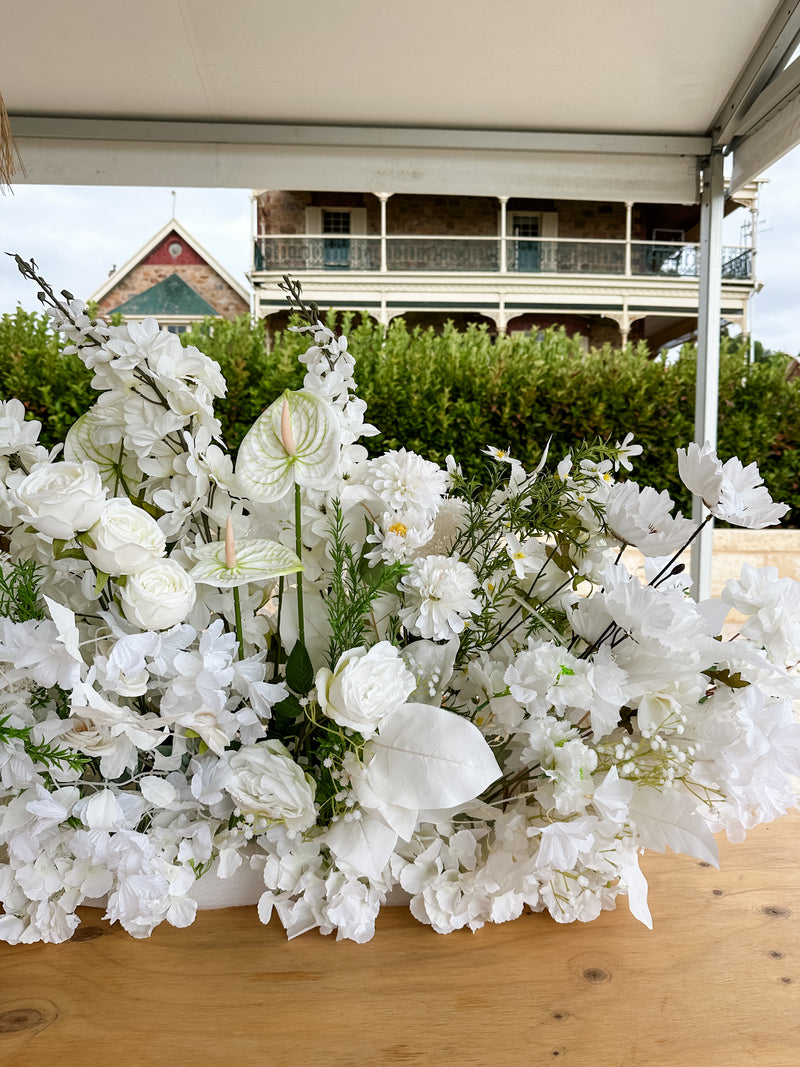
455 392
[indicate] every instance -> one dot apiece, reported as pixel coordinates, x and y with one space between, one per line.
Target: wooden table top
715 984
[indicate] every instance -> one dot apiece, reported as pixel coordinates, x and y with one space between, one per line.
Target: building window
177 328
175 249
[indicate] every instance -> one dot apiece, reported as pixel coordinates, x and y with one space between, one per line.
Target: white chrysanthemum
405 480
438 597
400 537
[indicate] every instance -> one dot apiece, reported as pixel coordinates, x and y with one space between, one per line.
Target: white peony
61 499
365 687
263 780
126 539
158 596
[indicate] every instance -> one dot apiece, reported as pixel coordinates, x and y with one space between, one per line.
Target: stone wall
281 211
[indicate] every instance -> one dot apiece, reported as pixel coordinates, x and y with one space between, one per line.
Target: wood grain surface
715 984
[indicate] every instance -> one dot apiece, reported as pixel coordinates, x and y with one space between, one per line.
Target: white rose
126 539
61 499
263 780
158 596
365 687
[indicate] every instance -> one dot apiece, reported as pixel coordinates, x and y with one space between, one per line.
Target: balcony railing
491 255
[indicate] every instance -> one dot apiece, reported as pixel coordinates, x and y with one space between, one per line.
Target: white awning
613 101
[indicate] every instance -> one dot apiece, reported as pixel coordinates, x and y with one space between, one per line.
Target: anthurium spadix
295 441
428 757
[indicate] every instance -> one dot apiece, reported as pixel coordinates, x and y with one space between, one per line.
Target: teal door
529 250
336 249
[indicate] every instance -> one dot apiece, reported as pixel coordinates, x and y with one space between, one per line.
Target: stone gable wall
200 277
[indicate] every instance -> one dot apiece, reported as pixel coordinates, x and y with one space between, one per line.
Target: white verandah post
708 324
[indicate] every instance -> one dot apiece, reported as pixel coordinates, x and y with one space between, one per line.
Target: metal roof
616 100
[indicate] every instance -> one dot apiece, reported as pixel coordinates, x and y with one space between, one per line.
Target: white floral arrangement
351 675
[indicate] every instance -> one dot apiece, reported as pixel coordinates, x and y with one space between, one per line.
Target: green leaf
299 670
100 583
286 711
85 538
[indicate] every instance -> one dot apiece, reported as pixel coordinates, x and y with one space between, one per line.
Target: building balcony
490 255
647 289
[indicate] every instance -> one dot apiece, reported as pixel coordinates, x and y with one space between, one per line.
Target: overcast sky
77 235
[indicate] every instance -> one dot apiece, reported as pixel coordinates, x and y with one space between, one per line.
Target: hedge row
455 392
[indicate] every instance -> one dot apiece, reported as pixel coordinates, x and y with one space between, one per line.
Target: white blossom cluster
354 677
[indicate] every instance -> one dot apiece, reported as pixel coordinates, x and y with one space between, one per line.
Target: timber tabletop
715 984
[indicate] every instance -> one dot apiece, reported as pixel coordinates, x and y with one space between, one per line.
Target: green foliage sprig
19 592
45 753
354 588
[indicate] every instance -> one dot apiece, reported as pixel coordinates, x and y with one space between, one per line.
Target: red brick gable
161 254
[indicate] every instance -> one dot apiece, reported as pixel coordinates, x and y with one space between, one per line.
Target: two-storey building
608 271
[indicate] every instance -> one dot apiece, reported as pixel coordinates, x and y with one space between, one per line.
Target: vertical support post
383 197
628 232
503 247
708 322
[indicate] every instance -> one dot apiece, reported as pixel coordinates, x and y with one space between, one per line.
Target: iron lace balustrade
290 253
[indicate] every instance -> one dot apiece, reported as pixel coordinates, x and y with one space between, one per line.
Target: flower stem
298 547
237 611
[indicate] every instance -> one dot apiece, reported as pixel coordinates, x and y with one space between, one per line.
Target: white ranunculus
126 539
263 780
158 596
365 687
61 499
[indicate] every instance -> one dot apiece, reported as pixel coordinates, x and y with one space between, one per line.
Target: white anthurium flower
428 757
227 565
96 436
295 441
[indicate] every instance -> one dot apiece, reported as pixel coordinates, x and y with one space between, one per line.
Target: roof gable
157 246
170 297
174 249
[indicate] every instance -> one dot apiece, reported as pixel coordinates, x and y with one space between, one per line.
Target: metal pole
709 313
628 232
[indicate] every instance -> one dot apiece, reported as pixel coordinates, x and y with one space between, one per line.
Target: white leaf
671 820
362 846
637 887
266 470
427 757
